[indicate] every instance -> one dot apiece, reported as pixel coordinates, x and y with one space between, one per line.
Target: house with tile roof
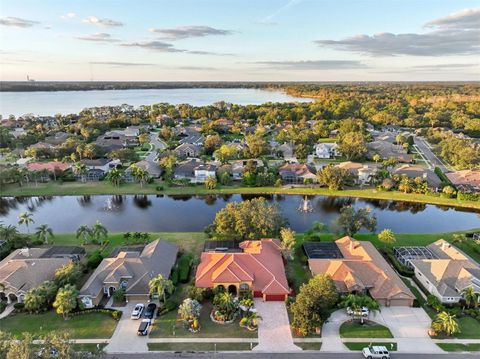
358 267
468 178
297 173
130 269
448 274
257 267
27 268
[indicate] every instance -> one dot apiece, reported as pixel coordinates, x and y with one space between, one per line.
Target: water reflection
142 201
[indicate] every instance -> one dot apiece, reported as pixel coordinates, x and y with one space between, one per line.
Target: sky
240 40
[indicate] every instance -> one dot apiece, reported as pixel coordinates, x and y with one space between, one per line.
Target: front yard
391 346
86 326
469 328
355 329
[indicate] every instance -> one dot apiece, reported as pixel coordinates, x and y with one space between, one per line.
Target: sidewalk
9 309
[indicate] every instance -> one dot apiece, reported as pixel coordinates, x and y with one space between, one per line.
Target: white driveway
274 333
125 338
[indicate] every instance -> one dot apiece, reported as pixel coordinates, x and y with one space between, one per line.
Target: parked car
143 327
52 353
375 352
364 312
150 310
137 311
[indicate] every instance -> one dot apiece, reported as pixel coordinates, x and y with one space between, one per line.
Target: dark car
150 310
143 327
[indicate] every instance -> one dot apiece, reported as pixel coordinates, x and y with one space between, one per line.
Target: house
387 149
362 173
222 124
203 171
287 151
52 166
187 150
256 267
130 269
42 146
467 178
326 150
238 167
186 169
358 267
447 273
111 141
103 164
57 139
18 132
190 135
297 173
152 168
27 268
414 171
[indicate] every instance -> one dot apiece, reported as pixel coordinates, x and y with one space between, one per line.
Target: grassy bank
77 188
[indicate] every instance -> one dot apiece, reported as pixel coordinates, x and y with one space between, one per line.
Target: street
432 159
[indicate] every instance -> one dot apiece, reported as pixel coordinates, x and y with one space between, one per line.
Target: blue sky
249 40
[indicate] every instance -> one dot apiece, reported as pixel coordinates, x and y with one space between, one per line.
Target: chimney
445 245
25 252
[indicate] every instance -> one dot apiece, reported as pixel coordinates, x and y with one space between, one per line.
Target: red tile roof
50 166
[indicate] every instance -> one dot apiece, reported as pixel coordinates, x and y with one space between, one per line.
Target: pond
145 213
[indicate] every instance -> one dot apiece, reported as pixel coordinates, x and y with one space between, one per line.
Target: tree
189 310
225 178
376 157
313 302
387 236
287 237
35 300
449 191
21 349
226 305
250 219
43 233
99 232
143 138
446 323
470 297
80 170
225 153
140 174
210 182
160 286
352 146
26 219
9 233
256 145
84 232
68 274
351 221
333 177
356 302
115 176
211 143
66 300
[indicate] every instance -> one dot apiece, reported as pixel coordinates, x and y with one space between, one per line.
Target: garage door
401 302
275 297
258 294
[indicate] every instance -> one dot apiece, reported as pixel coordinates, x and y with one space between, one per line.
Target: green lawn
391 346
166 325
454 347
469 328
104 187
87 326
354 329
308 346
201 347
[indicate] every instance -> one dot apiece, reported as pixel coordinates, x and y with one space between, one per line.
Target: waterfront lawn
86 326
455 347
369 329
168 326
200 347
391 346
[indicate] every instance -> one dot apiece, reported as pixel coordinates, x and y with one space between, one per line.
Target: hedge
442 176
184 264
403 270
468 196
115 314
174 276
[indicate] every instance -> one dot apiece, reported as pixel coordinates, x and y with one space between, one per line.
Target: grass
469 328
87 326
455 347
165 326
201 347
104 187
360 346
88 347
309 345
368 330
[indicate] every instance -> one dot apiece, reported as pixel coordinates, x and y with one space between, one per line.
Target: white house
326 150
202 172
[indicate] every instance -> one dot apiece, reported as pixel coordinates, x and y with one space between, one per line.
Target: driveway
125 338
274 333
331 341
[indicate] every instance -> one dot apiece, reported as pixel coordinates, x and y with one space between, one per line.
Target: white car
375 352
364 312
137 311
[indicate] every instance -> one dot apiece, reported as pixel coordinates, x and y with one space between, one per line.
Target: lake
65 102
192 213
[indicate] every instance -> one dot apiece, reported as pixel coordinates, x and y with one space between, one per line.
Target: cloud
102 22
162 46
98 37
445 66
456 34
17 22
268 20
185 32
121 64
196 68
313 65
69 15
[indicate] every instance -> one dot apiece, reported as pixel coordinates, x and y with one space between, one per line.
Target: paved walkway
274 333
331 341
7 311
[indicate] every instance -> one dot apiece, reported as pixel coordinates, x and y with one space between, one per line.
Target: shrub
468 196
416 304
403 270
184 265
94 259
3 305
159 188
19 307
119 295
174 276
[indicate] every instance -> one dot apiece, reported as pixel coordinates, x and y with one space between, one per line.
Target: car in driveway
137 311
143 327
364 312
376 352
150 310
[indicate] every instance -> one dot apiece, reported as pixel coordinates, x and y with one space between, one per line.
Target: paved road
308 355
157 145
433 160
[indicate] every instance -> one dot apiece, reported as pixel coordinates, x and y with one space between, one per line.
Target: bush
159 188
442 176
168 307
174 276
19 307
416 304
115 314
184 265
400 268
94 259
119 295
3 305
468 196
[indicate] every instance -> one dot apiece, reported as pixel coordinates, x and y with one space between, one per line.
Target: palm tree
160 286
114 176
8 233
85 232
471 298
26 219
446 323
357 302
140 175
44 232
225 304
99 232
80 170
